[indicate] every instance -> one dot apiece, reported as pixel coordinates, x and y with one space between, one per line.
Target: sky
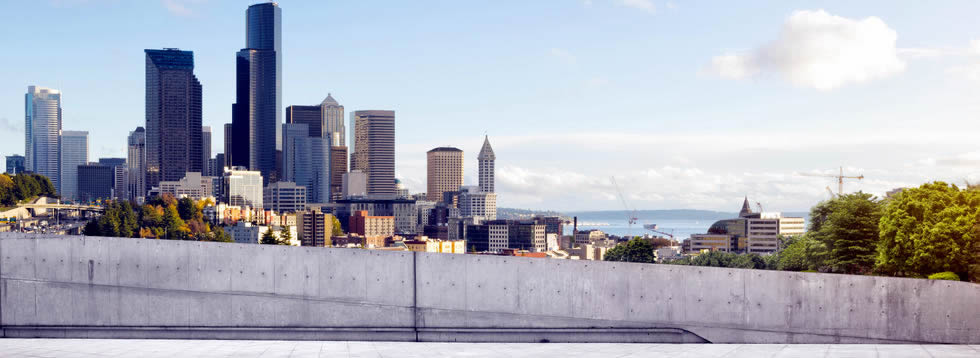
688 104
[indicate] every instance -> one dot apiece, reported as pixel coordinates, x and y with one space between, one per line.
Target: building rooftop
445 149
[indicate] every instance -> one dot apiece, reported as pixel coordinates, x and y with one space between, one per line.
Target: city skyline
704 126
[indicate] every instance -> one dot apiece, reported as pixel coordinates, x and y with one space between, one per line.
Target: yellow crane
840 179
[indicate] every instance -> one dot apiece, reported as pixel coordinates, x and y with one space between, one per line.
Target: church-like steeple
746 209
486 161
486 153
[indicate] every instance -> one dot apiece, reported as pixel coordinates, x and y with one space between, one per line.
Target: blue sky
690 104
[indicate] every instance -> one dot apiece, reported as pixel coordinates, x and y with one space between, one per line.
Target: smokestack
574 225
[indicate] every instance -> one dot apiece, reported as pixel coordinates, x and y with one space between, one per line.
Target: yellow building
434 245
711 242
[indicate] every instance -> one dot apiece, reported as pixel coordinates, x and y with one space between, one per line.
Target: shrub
951 276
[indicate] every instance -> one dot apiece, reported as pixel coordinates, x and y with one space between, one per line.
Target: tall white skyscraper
74 152
333 121
486 159
136 161
42 128
205 150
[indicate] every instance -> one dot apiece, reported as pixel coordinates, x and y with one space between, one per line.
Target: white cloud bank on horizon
571 171
818 50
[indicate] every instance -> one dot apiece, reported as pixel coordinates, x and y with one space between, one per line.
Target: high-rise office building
333 121
74 152
311 116
338 167
15 164
136 161
95 182
374 151
42 127
120 177
486 162
284 197
205 150
444 171
173 116
306 161
256 113
217 165
326 121
242 188
229 146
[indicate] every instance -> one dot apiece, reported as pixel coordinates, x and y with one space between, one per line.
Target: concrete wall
134 288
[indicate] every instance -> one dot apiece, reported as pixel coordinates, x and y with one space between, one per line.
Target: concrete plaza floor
10 347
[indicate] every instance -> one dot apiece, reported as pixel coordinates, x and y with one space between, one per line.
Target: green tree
187 208
173 225
91 228
847 226
285 237
7 197
635 250
218 234
269 238
337 230
930 229
748 261
714 259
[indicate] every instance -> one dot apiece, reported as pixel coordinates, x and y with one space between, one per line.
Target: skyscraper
256 115
306 161
42 127
332 114
229 146
311 116
486 159
374 151
95 182
120 177
136 161
74 152
338 167
15 164
205 150
444 169
173 116
325 121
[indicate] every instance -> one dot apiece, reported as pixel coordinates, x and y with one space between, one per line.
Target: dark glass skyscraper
256 116
173 116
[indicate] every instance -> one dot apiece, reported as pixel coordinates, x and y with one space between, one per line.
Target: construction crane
840 178
830 191
630 213
656 229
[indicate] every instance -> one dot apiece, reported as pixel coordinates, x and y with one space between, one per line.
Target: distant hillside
511 213
675 214
680 214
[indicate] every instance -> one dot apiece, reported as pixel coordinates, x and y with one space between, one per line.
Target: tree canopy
930 229
847 227
162 217
23 187
635 250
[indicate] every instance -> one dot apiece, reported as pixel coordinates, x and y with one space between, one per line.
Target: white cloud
6 125
819 50
181 7
645 5
563 55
